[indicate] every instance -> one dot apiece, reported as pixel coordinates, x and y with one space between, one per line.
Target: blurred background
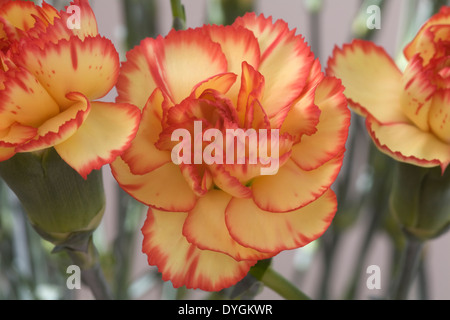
333 267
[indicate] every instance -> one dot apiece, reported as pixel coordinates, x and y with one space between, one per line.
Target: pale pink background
336 22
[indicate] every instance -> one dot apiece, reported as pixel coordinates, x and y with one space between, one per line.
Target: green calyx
420 200
63 207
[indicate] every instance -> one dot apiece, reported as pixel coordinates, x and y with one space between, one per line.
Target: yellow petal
285 64
16 134
439 117
273 232
372 81
142 156
198 178
267 33
182 263
90 67
107 131
59 28
292 188
23 14
238 45
60 127
332 129
164 188
220 83
226 182
205 227
303 116
135 83
423 41
88 22
182 60
417 96
252 88
407 143
24 100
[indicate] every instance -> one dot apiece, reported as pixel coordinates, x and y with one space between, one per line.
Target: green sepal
63 207
420 200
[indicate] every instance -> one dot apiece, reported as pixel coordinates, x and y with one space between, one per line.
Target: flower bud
62 207
420 200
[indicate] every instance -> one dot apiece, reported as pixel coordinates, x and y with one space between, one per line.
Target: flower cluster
407 112
231 135
51 77
209 221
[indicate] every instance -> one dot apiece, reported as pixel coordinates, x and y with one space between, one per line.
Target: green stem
330 241
438 4
409 266
91 272
373 225
95 279
314 14
129 217
377 210
140 17
423 283
282 286
179 15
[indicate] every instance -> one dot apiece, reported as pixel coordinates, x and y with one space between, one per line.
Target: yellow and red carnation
210 221
407 112
51 78
17 18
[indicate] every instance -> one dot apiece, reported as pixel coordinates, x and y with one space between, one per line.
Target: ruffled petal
198 178
16 134
60 24
205 227
60 127
273 232
407 143
88 22
285 61
24 100
164 188
226 182
431 43
332 129
417 96
182 60
23 14
238 45
439 116
220 83
421 42
292 188
285 72
135 83
372 81
182 263
267 33
244 172
107 131
252 88
90 67
142 156
303 116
